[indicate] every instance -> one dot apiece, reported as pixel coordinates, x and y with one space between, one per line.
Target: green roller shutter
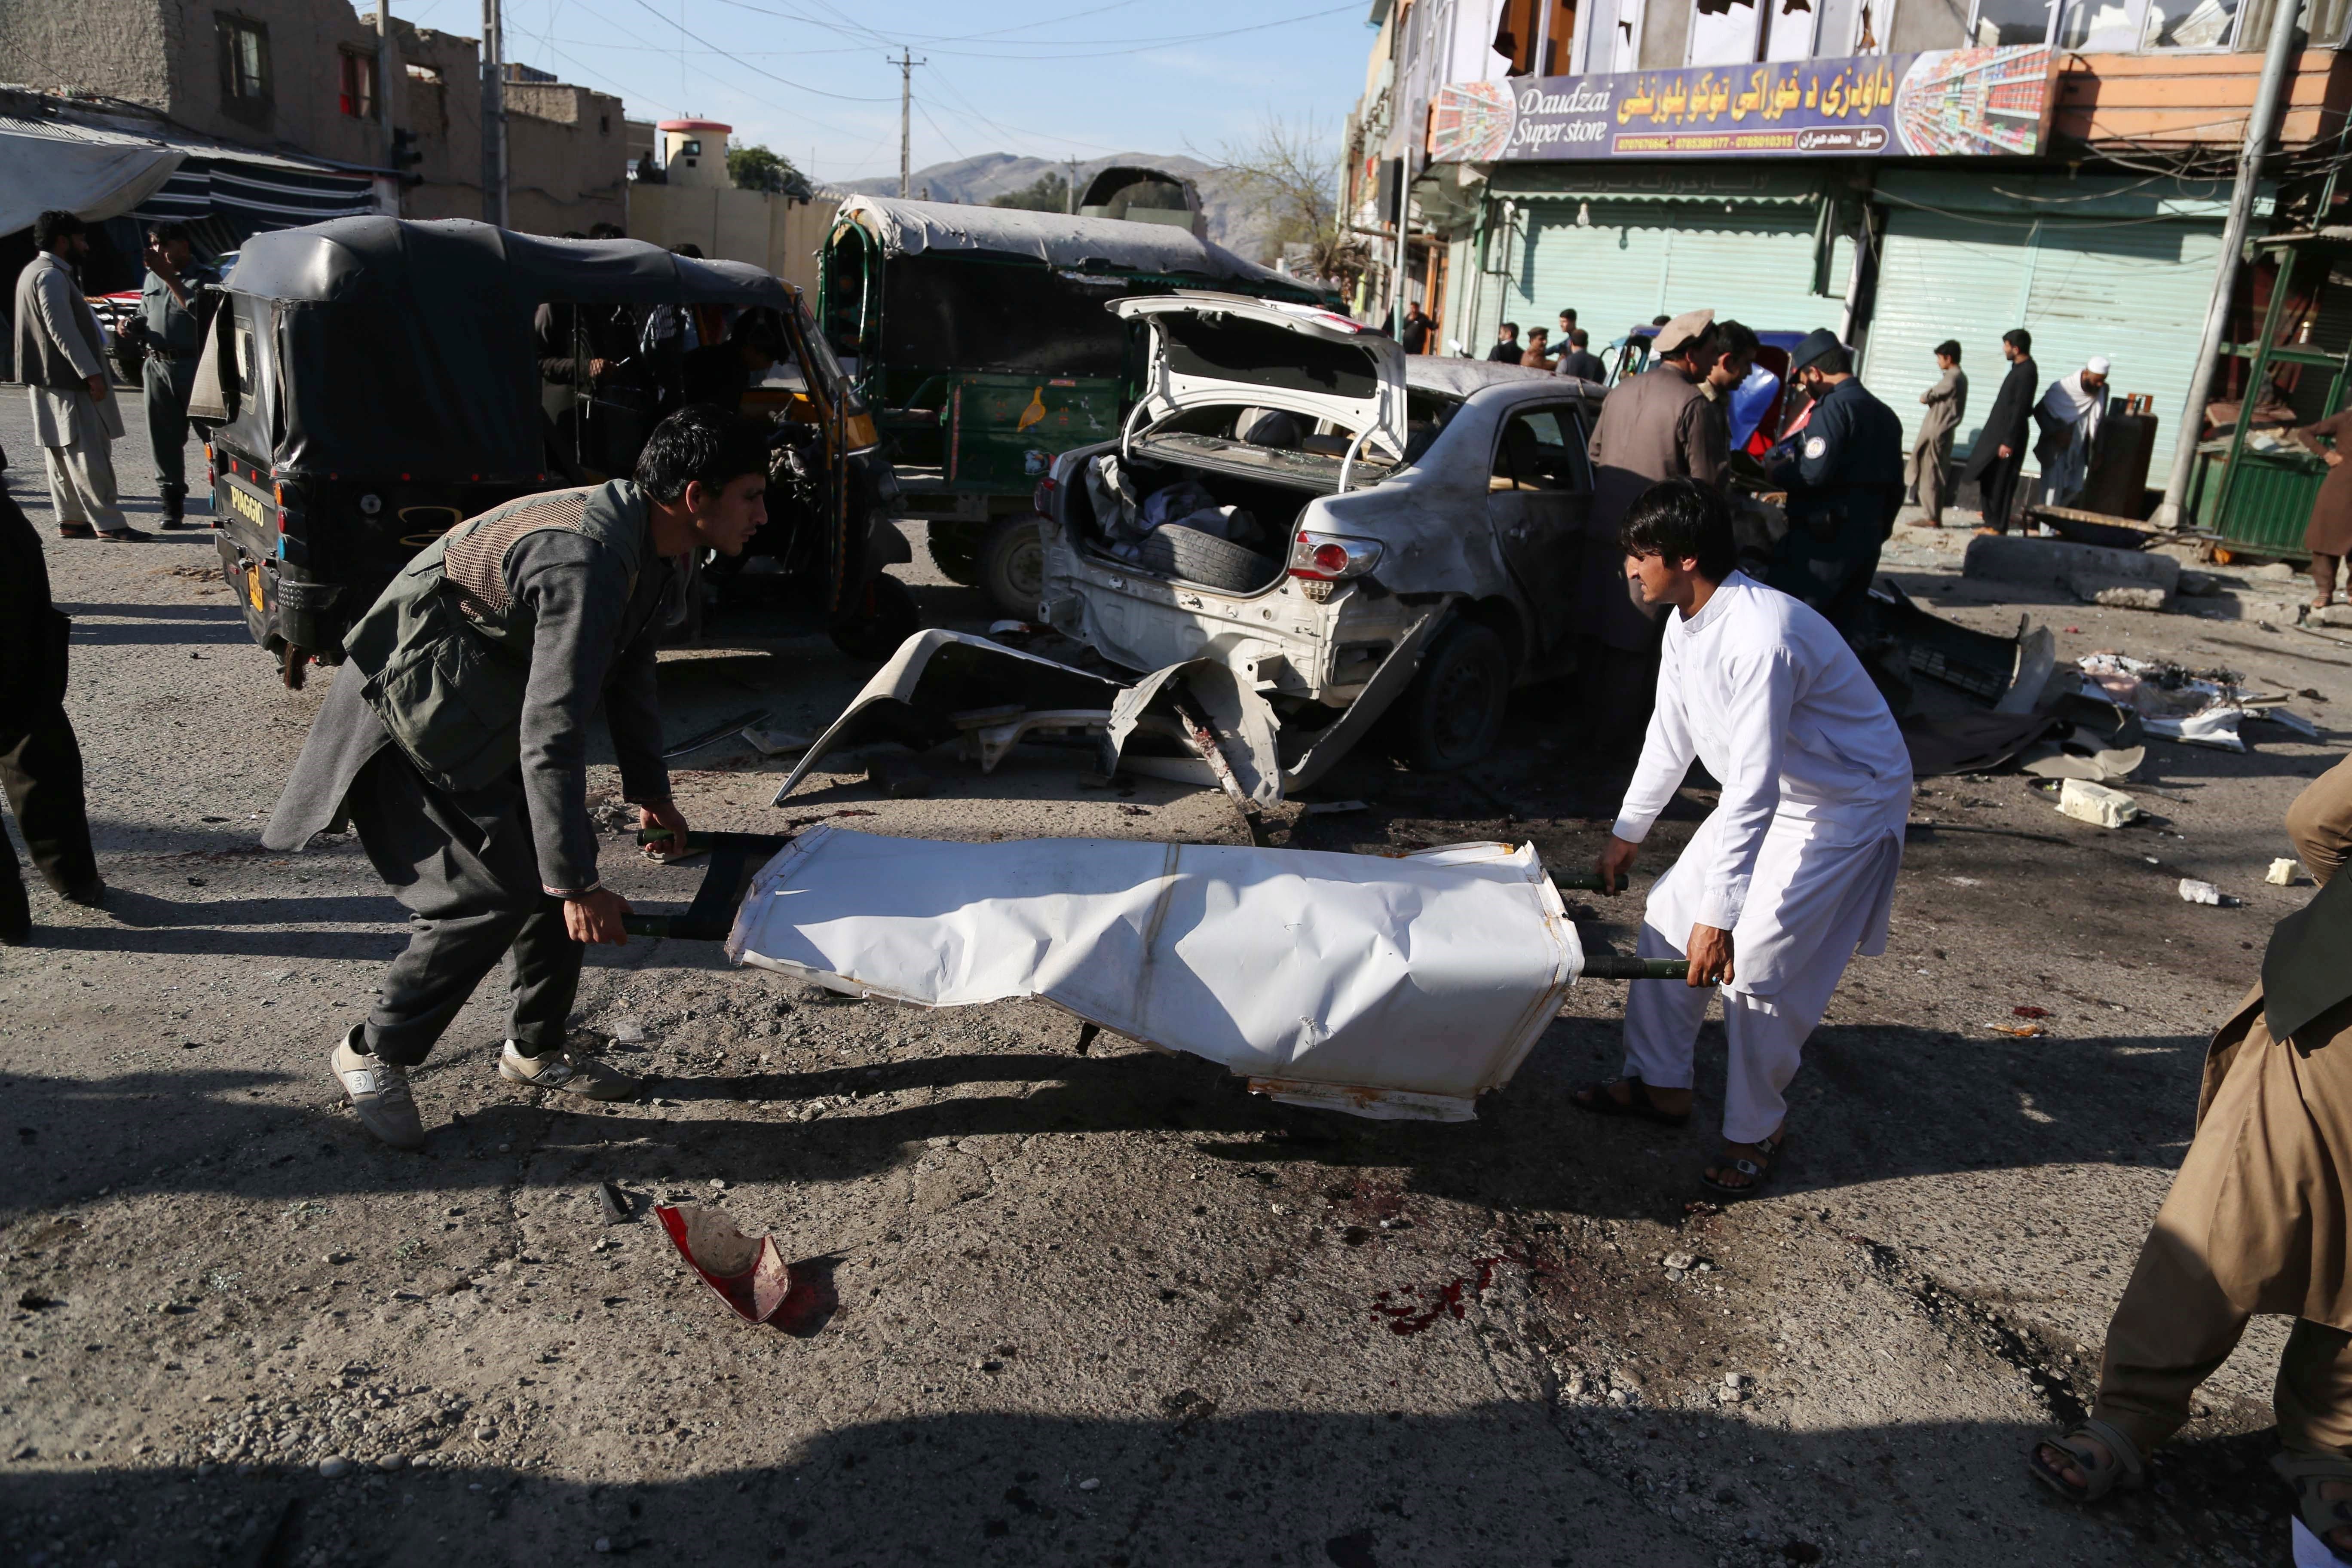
1631 261
2132 290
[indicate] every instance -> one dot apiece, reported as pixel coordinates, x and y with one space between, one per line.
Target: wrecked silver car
1353 532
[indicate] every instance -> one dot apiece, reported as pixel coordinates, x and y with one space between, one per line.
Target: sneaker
568 1071
379 1091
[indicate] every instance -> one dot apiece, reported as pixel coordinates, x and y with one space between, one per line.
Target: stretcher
736 857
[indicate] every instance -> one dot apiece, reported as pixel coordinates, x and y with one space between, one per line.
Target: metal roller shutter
1633 261
2133 290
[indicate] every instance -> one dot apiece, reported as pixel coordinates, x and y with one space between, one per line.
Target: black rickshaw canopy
392 345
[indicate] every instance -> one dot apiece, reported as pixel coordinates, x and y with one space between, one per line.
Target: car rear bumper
1320 650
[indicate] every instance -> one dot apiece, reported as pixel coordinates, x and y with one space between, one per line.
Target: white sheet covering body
1393 988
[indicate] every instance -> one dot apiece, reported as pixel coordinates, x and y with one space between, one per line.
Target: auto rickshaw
979 336
369 383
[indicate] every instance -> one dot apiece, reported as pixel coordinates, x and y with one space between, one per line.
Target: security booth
2253 489
979 337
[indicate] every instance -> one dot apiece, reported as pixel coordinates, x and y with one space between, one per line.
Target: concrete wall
119 48
564 158
769 231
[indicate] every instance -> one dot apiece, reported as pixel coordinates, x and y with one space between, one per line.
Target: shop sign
1943 103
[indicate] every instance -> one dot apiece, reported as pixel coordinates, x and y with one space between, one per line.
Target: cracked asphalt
1103 1309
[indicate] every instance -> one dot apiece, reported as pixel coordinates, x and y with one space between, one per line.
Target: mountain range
1234 223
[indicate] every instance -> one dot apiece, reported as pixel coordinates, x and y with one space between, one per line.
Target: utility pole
387 71
494 115
906 62
1070 196
2276 63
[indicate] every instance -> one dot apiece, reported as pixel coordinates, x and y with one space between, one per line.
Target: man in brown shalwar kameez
2259 1219
2328 535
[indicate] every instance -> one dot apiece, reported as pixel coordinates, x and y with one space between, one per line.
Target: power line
785 81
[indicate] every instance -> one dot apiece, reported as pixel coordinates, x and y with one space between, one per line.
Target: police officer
1843 468
168 303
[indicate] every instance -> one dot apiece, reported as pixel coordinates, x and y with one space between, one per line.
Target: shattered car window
1426 416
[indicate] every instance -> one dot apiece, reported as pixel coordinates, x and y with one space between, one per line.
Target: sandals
1594 1099
2118 1469
2307 1473
76 530
1757 1171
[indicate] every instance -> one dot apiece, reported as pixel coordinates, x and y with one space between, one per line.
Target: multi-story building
1906 170
296 81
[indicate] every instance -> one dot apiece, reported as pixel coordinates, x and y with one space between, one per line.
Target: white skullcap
2098 364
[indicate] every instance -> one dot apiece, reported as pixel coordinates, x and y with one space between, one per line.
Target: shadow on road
1520 1483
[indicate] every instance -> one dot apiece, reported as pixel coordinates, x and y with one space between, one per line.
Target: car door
1539 493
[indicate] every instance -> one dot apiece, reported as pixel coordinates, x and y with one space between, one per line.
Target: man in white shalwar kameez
2069 416
1793 872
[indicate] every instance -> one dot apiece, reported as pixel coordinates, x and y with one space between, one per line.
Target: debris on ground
2283 873
2200 708
748 1272
2193 891
2114 596
2097 804
1397 988
2093 740
770 742
897 774
711 737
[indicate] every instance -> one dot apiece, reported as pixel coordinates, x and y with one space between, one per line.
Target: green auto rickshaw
979 337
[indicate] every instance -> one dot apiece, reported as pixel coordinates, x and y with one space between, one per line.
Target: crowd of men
470 804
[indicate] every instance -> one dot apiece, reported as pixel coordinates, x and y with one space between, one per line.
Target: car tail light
1331 557
1044 500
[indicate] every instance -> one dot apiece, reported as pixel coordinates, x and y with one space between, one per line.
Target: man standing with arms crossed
1794 870
456 741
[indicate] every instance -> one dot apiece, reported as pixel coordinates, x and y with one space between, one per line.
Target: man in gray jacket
61 359
454 741
168 303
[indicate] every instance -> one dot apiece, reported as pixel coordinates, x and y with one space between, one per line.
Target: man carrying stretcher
1794 870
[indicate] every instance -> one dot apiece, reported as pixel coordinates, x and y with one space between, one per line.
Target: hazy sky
1048 77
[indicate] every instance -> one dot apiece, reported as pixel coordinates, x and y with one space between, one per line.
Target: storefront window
2123 26
1724 32
1609 36
2004 24
1788 29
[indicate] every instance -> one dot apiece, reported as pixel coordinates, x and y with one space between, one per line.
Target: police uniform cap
1817 342
1683 331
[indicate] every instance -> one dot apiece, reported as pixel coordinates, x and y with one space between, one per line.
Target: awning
100 167
91 172
275 194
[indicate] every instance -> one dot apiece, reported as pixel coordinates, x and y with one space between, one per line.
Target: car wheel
1171 550
883 616
1013 564
1451 713
955 551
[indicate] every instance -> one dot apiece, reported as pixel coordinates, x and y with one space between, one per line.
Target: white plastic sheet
1392 988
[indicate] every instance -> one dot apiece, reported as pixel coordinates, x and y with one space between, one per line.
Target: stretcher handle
697 841
1608 967
1587 882
682 927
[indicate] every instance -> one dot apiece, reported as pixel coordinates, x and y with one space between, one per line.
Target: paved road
1100 1309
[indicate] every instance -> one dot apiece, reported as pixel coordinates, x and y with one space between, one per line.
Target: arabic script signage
1944 103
